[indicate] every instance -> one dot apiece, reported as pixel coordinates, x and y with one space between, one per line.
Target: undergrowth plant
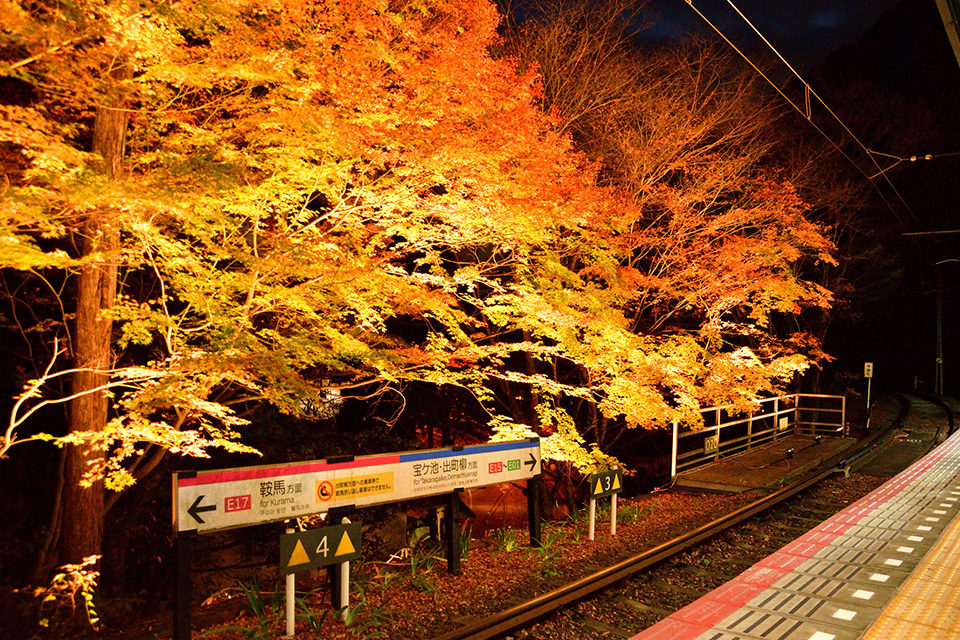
634 513
422 563
371 621
383 579
628 514
465 538
507 539
266 613
549 551
423 560
269 614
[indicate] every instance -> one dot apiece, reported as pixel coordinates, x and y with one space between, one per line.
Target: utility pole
938 377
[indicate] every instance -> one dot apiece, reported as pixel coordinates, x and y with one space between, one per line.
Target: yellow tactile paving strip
927 604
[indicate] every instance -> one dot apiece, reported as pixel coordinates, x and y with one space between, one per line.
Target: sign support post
592 518
673 451
335 571
344 571
868 374
613 515
345 582
533 510
452 517
291 598
183 550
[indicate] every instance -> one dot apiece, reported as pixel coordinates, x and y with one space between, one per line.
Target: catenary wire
913 158
799 110
825 106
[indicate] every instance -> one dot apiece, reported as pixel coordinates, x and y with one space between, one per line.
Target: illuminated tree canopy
354 195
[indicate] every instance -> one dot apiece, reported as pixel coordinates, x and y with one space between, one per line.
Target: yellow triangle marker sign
616 481
599 488
345 545
299 555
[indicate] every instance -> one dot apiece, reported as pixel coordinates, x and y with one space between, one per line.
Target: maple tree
707 259
294 199
269 187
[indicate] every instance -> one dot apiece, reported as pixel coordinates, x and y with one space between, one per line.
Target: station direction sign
321 547
606 483
229 498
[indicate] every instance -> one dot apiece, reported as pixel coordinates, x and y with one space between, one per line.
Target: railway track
621 600
651 595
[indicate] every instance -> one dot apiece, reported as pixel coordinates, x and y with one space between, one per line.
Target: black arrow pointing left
195 509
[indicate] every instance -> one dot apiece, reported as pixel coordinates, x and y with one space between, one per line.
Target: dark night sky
804 31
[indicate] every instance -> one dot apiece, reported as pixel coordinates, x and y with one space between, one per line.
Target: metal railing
727 432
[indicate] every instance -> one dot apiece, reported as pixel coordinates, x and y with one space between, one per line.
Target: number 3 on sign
322 547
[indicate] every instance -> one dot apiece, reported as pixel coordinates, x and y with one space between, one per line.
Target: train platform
886 567
767 466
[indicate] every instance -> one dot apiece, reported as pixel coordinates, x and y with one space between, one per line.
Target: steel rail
518 615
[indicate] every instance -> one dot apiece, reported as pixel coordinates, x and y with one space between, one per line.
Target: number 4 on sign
344 548
302 550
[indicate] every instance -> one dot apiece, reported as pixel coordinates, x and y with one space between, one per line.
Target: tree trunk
82 507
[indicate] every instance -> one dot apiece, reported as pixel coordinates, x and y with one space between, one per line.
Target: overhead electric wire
825 106
808 90
914 158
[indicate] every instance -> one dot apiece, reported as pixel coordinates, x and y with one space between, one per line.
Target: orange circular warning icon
324 491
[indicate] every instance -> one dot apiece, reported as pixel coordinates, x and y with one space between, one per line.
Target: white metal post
796 413
291 599
613 515
345 581
776 417
843 415
593 514
673 454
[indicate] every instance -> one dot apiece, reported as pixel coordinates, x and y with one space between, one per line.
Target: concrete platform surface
887 567
766 466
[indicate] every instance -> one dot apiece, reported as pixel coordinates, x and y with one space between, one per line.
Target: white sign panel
867 369
229 498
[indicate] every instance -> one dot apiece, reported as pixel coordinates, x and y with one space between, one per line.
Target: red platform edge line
701 615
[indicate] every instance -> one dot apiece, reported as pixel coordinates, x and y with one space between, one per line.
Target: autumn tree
268 188
707 255
295 198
